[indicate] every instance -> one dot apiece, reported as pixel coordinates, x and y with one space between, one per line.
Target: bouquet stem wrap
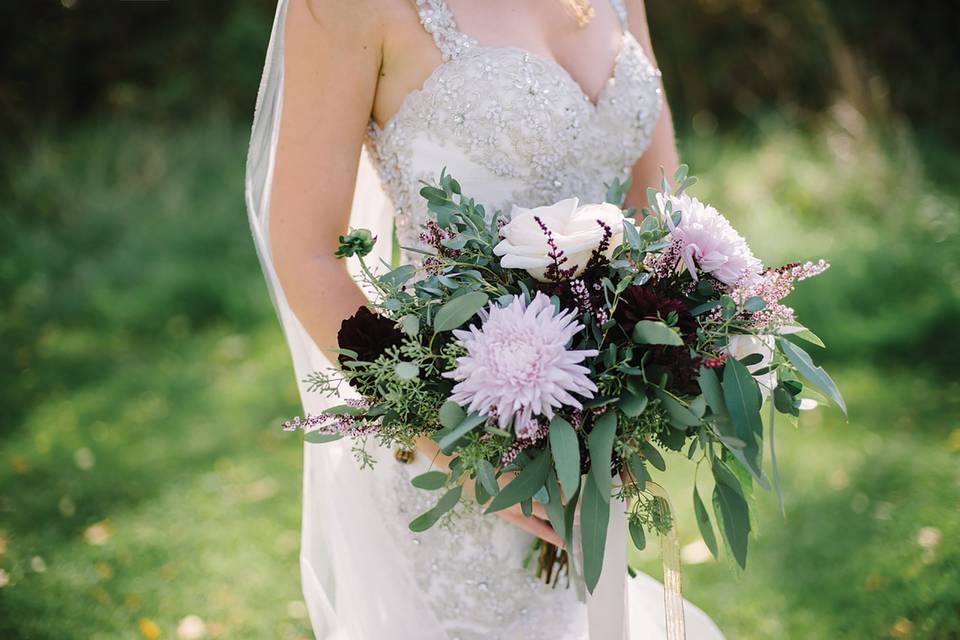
608 606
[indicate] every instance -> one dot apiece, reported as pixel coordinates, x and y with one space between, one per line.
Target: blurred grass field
144 478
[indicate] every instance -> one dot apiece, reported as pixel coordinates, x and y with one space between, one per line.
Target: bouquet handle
608 607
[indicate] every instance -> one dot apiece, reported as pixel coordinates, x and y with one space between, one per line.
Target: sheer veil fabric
355 582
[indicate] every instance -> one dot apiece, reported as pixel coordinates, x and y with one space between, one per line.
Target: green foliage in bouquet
566 347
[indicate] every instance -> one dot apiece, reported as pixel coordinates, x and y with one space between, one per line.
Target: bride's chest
519 127
522 108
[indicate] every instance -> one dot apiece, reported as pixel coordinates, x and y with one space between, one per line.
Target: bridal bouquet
555 352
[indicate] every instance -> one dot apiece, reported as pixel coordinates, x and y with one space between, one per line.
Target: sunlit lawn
144 478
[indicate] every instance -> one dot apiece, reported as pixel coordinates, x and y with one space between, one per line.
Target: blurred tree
725 61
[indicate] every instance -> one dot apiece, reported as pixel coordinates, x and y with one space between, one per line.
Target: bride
525 101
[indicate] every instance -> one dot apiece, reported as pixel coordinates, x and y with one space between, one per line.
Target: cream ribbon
608 607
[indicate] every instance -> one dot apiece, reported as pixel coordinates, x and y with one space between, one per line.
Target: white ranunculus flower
575 230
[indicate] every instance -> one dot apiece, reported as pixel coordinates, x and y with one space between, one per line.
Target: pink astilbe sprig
518 364
772 287
555 271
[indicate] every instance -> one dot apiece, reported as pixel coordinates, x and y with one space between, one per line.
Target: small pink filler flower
518 366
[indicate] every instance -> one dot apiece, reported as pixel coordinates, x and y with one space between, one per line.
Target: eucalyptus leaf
524 486
410 325
566 454
735 520
430 481
638 470
487 477
594 520
554 507
742 396
632 404
655 332
712 391
429 518
469 423
318 437
754 304
451 414
458 310
814 375
680 416
638 535
398 276
653 456
406 370
703 523
600 445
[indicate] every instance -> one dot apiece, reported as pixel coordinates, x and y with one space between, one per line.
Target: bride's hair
582 10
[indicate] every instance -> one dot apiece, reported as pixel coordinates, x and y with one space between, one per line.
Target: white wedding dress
511 127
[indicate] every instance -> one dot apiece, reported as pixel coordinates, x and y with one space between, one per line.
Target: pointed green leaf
815 375
734 520
554 507
458 310
600 444
469 423
632 404
703 522
448 501
524 486
431 480
680 416
594 519
318 437
566 454
743 400
638 535
487 477
653 456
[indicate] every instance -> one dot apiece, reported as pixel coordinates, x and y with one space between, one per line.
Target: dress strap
438 20
621 10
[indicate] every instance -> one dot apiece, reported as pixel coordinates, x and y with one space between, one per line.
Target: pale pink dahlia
708 240
517 364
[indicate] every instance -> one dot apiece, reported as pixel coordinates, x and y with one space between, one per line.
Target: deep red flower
368 334
644 303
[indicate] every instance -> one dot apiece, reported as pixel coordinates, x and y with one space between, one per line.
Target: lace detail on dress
437 19
470 566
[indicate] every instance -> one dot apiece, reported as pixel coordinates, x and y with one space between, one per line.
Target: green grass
144 478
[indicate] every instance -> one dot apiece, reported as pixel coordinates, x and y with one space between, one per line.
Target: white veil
355 581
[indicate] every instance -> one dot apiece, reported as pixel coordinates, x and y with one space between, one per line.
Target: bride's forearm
321 293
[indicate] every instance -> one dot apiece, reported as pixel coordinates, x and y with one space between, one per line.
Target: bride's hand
537 524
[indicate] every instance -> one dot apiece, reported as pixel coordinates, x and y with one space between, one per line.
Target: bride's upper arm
637 18
331 65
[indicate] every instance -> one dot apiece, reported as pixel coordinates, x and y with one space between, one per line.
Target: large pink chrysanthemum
708 240
517 364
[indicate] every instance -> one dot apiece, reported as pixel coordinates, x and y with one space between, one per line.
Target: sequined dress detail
512 127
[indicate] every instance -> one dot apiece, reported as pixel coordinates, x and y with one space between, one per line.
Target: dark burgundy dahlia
643 303
368 334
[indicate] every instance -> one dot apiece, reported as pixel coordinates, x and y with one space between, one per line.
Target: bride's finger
533 525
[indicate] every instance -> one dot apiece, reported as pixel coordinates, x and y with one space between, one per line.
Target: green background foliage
143 377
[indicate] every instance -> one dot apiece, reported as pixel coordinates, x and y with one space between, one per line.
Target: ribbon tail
670 555
608 610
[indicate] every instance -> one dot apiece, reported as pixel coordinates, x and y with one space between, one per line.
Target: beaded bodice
511 126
